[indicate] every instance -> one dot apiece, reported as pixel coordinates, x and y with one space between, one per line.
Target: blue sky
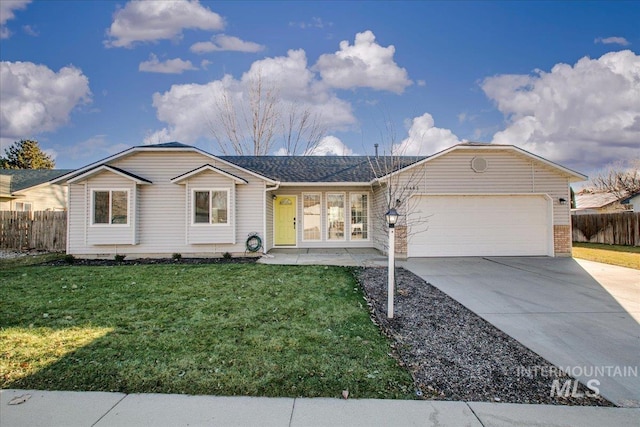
560 79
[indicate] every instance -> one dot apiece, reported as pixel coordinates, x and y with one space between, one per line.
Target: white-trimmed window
23 206
110 207
335 216
211 206
311 216
359 203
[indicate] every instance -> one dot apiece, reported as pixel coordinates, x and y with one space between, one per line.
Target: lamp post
392 218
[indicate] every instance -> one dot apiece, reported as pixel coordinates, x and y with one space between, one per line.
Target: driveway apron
577 314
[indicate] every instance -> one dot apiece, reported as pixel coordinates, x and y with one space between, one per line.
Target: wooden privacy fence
613 229
43 230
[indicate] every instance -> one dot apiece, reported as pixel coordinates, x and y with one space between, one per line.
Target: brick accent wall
562 240
401 240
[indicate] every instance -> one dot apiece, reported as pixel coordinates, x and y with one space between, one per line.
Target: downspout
264 210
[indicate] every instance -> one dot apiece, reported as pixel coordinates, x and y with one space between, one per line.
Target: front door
285 220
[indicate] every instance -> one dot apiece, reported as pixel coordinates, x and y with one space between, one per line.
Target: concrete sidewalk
65 408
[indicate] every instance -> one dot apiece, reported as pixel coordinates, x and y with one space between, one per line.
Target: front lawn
220 329
624 256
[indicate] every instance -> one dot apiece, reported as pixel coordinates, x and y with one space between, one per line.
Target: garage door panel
464 225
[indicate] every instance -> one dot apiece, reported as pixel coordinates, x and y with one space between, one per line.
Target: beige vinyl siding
163 213
324 190
379 228
43 198
268 244
77 219
507 172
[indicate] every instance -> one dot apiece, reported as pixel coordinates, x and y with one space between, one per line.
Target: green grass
227 329
625 256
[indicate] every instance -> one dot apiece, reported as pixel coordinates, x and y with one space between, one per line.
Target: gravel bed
452 353
5 254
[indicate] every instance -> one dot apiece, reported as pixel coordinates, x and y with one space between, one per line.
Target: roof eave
325 184
179 179
102 168
143 148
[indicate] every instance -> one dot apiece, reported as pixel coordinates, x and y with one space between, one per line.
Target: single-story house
468 200
590 201
30 190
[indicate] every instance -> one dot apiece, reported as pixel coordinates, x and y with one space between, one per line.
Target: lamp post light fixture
391 217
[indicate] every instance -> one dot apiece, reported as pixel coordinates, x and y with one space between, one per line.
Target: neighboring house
30 190
633 202
589 201
468 200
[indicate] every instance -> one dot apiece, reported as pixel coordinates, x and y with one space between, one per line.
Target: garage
480 225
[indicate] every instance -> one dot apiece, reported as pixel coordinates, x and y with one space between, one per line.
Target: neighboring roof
310 169
595 200
22 179
630 198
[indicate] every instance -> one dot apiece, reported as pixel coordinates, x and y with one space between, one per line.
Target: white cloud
331 146
7 9
148 21
363 64
314 23
95 147
31 31
222 42
583 116
425 139
170 66
205 63
188 108
612 40
36 99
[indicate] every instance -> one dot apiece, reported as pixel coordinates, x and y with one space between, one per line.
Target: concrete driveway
577 314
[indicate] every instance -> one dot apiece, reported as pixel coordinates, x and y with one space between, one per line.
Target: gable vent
479 164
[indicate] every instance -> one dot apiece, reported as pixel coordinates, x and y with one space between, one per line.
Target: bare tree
399 187
302 131
620 178
252 122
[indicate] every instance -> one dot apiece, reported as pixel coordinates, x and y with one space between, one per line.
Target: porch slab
354 257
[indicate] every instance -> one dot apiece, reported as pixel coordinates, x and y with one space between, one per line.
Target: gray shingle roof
320 168
25 178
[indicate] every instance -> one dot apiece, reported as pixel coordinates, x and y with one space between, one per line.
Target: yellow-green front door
284 208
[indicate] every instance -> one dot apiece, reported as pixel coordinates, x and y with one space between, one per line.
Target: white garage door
480 225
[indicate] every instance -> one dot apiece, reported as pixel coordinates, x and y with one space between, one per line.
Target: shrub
119 257
226 255
176 256
69 259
